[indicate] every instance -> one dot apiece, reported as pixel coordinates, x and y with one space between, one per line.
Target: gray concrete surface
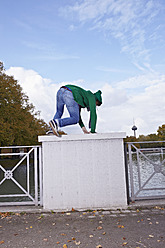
145 204
141 224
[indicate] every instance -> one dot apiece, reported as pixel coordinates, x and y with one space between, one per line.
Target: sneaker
54 126
50 132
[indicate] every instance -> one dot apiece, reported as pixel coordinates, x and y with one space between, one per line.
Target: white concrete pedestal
83 171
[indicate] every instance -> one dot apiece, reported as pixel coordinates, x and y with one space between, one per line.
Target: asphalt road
93 229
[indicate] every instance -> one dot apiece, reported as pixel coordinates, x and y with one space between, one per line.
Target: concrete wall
83 171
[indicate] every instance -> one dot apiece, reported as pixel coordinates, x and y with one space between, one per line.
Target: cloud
41 91
115 70
140 82
72 27
146 107
113 96
127 21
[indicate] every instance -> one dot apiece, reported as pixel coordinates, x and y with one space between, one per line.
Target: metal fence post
131 172
36 176
41 176
126 173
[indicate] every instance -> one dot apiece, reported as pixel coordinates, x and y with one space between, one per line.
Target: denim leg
60 104
73 109
65 97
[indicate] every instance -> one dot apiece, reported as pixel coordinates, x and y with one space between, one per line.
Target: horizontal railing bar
152 189
14 195
9 154
145 142
15 203
152 148
149 197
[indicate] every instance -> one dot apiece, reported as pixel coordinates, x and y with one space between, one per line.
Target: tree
161 132
149 138
19 123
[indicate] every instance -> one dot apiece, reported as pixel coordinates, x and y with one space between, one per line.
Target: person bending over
75 98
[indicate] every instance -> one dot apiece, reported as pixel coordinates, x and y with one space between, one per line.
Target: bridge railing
20 175
146 170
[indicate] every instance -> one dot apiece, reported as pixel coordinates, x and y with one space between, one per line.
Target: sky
117 46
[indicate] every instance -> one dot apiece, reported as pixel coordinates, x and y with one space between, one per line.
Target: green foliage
130 139
150 137
160 136
161 132
20 125
142 138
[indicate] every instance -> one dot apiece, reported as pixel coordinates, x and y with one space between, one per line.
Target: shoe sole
50 134
54 129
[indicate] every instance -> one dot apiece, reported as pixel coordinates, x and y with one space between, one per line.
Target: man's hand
85 130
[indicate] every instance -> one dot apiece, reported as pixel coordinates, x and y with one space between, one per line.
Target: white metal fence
21 175
146 170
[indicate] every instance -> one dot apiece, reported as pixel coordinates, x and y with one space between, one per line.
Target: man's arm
93 116
82 125
85 130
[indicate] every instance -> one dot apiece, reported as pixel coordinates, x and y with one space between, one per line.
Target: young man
75 98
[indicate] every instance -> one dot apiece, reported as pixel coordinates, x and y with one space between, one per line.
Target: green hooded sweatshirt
85 99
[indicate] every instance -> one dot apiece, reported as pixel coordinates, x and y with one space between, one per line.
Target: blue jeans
65 97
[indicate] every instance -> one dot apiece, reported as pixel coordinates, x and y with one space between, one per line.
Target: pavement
141 224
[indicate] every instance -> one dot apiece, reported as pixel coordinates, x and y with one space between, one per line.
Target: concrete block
83 171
